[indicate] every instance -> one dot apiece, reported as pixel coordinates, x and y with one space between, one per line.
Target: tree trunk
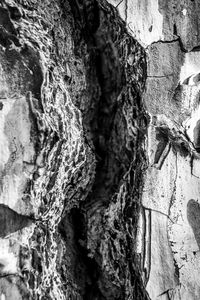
99 165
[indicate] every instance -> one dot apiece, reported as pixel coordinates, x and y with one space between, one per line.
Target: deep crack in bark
120 162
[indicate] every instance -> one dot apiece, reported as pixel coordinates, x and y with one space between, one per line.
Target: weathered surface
168 236
99 122
171 190
161 20
143 18
74 125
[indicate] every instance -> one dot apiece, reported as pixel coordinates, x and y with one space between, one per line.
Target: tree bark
99 150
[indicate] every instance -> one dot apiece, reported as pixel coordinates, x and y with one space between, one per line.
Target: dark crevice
195 49
165 41
120 158
175 29
9 275
165 293
87 271
163 141
15 12
177 272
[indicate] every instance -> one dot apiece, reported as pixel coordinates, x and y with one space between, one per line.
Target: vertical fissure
117 126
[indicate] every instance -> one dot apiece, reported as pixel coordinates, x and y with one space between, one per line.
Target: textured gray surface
99 150
78 79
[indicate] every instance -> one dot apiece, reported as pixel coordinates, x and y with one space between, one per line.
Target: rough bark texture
99 165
